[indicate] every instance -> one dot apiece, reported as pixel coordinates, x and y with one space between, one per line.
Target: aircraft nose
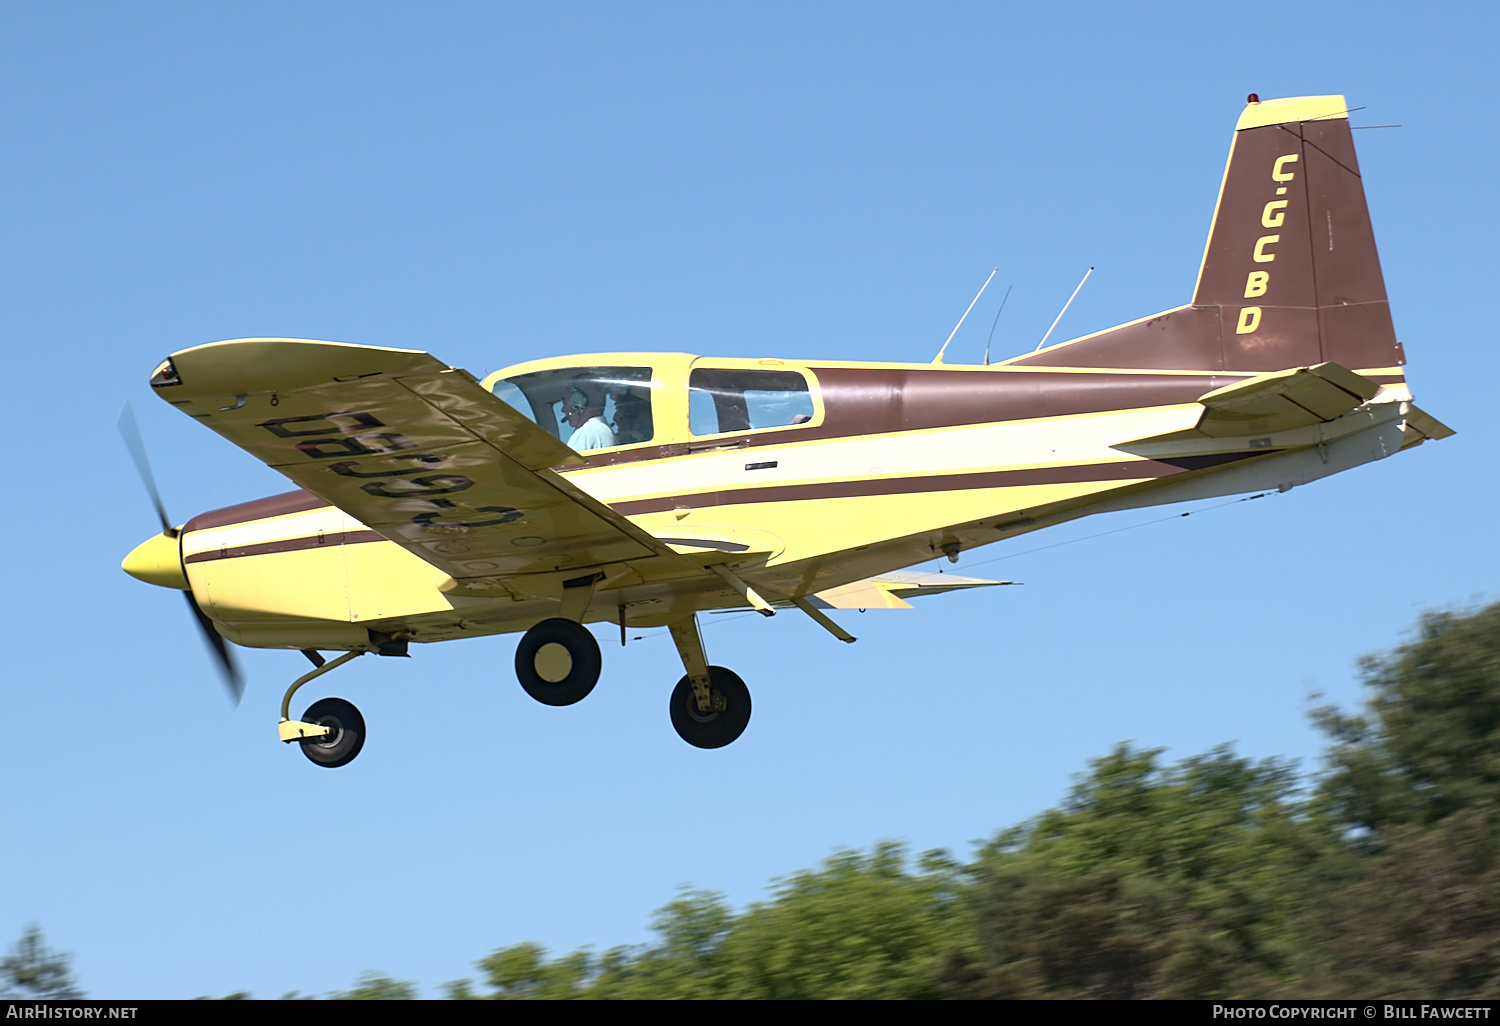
157 561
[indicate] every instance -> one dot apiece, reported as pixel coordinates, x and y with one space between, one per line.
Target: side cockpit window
586 407
724 399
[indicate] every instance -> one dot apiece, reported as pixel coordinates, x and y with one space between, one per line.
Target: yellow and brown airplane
645 488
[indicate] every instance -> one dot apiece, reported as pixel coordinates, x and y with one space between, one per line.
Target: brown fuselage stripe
287 545
1123 471
257 509
861 401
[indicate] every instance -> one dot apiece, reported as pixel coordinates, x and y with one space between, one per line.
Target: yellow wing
410 447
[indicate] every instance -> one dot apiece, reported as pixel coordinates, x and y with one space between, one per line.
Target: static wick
1064 309
939 357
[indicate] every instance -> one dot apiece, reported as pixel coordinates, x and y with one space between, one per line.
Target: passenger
582 407
632 419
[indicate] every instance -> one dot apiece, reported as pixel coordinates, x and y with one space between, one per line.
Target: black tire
719 727
348 733
583 658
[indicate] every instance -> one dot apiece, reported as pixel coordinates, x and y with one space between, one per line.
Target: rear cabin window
722 400
586 407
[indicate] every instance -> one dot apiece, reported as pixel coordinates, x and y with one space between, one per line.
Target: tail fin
1290 276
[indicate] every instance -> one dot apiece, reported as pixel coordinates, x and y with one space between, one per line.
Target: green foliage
1421 919
862 926
377 986
522 971
1413 781
1150 881
1428 743
34 971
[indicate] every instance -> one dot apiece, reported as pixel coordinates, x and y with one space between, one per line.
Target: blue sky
499 182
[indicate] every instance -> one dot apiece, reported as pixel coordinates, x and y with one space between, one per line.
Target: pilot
583 406
632 418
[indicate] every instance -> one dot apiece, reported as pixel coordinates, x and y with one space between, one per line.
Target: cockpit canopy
568 401
679 398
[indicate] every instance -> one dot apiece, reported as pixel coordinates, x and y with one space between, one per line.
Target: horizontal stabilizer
1246 413
1284 400
889 591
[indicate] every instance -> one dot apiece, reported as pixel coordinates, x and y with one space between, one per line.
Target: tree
1413 784
1422 918
1428 741
861 926
34 971
524 971
377 986
1150 881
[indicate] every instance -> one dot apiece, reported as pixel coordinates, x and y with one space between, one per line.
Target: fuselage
827 472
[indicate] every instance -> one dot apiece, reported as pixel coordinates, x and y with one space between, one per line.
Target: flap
888 591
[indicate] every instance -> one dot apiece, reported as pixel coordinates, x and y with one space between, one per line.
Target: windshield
586 407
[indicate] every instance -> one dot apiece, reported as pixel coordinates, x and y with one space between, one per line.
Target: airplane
644 489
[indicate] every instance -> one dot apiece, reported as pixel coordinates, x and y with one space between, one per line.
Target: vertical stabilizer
1290 275
1291 261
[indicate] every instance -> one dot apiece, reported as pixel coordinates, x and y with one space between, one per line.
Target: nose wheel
332 731
345 737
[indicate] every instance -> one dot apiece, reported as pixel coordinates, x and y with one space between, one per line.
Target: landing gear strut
332 731
710 705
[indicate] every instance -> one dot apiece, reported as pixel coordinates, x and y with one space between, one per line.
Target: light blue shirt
594 434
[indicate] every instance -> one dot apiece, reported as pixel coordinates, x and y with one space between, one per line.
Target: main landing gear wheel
345 739
558 662
721 724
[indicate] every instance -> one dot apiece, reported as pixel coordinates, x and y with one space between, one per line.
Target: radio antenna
939 357
1064 309
995 322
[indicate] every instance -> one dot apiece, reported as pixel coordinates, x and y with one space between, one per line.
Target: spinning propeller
229 671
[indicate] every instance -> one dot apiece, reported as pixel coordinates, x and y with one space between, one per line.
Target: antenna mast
1064 309
939 357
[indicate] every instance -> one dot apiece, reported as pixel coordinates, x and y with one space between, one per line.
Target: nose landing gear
332 731
345 737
